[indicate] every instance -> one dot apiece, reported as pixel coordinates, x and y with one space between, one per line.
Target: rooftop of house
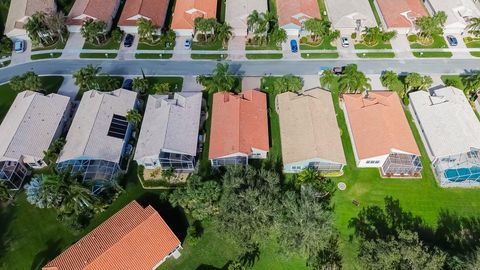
448 122
378 124
102 10
401 13
187 10
239 123
31 114
345 13
171 124
308 127
133 238
154 10
21 10
237 12
458 11
89 133
295 12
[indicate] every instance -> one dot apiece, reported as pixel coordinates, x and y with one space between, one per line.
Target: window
296 168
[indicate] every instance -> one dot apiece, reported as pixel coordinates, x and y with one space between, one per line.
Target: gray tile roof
344 13
170 124
30 125
87 136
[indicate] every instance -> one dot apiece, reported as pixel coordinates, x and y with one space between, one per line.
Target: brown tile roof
134 238
392 11
155 10
187 10
102 10
19 9
378 124
295 11
239 123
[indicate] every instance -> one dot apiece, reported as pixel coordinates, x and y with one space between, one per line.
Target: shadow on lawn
6 215
46 255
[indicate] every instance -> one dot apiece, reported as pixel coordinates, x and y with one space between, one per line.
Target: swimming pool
463 174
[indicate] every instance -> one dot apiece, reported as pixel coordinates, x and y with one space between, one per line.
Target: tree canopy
221 80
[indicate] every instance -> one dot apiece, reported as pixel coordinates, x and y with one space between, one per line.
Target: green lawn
57 45
264 56
268 47
45 56
153 56
378 46
217 57
432 54
98 55
456 78
319 55
159 45
377 55
176 83
323 9
210 46
375 12
326 44
438 42
109 45
474 43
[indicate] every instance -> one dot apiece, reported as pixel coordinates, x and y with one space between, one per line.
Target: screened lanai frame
460 168
91 169
228 161
323 166
180 162
13 173
402 164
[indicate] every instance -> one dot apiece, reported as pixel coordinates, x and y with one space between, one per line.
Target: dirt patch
157 175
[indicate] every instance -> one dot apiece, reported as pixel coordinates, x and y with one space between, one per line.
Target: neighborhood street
245 68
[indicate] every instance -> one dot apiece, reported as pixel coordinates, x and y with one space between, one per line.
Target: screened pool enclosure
460 168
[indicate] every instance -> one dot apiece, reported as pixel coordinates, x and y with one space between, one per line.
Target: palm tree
372 35
134 117
56 23
253 20
93 30
474 26
288 83
35 27
472 84
327 78
32 81
86 77
223 32
353 80
146 29
277 36
271 18
318 28
17 84
4 193
161 88
389 78
430 26
141 85
221 79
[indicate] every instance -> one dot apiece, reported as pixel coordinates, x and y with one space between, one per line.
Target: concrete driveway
461 45
125 53
180 52
236 44
190 84
287 51
348 52
74 45
401 46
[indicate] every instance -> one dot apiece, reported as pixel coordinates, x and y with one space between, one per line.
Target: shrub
412 38
452 82
354 35
303 40
468 39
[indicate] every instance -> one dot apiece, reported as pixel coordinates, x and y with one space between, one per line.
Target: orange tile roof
239 123
134 238
391 11
155 10
102 10
294 12
378 124
187 10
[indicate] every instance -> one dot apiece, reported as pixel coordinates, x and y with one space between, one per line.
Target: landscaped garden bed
437 42
473 43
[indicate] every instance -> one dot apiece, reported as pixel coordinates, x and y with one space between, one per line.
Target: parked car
128 42
293 46
19 46
187 44
345 42
452 40
127 84
338 70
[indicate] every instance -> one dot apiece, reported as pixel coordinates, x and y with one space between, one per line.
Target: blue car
452 40
293 46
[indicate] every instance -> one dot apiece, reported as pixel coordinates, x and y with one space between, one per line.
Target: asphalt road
247 68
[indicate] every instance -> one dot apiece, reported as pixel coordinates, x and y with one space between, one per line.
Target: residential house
102 10
187 10
458 12
237 12
309 132
133 238
98 137
32 123
293 14
19 13
350 16
380 133
133 10
169 134
239 128
400 15
450 132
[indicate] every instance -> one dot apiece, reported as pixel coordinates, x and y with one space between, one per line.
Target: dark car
338 70
452 40
128 41
293 46
127 84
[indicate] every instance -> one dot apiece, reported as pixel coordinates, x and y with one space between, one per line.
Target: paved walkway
401 47
68 87
74 45
251 83
237 43
375 82
190 84
310 81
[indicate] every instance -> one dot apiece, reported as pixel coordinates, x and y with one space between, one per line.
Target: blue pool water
463 174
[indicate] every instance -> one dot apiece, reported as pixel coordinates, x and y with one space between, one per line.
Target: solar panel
118 127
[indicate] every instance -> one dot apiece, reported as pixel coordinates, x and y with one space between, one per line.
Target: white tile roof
458 11
448 122
30 125
237 12
21 10
170 124
344 13
87 136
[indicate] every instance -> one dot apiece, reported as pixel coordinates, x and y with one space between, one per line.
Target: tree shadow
174 216
207 267
458 235
251 255
6 216
47 254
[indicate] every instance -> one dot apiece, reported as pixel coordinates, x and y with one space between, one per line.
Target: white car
19 46
345 42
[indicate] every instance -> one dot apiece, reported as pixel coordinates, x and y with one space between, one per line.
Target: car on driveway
338 70
452 40
19 46
293 46
187 44
128 42
127 84
345 42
